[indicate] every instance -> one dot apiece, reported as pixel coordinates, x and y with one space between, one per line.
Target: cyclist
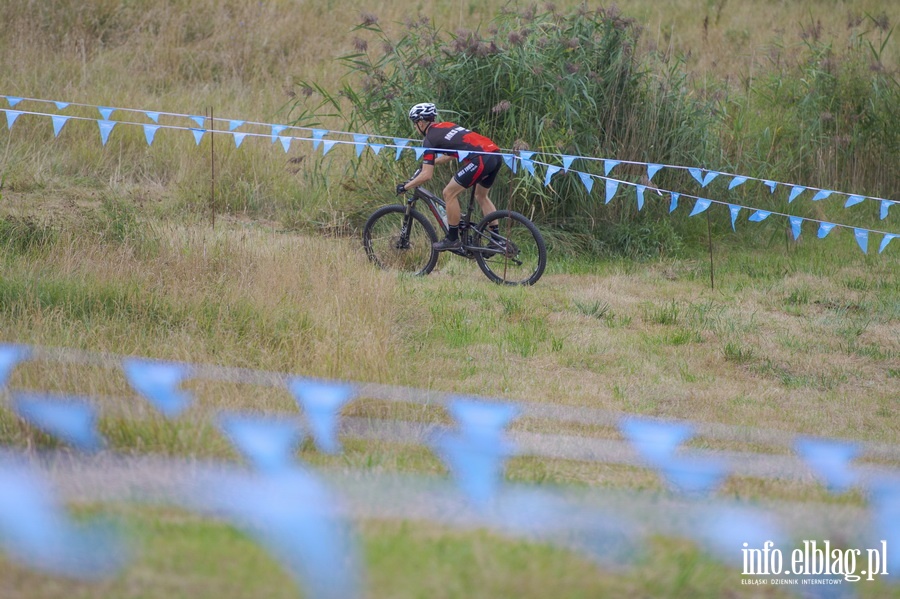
479 168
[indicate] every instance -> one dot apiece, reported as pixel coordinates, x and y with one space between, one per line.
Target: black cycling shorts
479 168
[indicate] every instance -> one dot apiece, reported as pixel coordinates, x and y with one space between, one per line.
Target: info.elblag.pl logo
832 565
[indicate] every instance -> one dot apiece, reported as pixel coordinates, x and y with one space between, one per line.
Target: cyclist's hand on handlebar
401 189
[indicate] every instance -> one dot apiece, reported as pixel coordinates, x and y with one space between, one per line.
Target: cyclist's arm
425 174
444 158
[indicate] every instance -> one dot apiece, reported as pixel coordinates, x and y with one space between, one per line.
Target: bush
562 84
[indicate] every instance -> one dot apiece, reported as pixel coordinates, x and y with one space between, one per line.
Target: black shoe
496 244
447 244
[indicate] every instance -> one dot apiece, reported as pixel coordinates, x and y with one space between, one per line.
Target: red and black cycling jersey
452 138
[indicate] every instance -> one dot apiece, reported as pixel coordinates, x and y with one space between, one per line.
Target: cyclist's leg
472 169
492 166
451 199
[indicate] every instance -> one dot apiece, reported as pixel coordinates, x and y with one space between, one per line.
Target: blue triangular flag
673 203
153 116
723 528
830 460
709 177
61 105
360 141
759 216
611 188
701 206
327 145
527 163
823 193
771 185
693 476
238 139
824 229
13 101
551 170
285 142
38 533
58 122
318 135
737 181
640 196
159 383
198 134
419 152
853 201
885 506
511 161
567 162
462 155
150 133
267 443
73 421
400 143
885 204
587 180
376 148
734 214
321 403
796 224
655 441
232 124
297 520
697 174
105 112
276 132
200 120
477 452
106 128
11 116
795 191
10 356
885 241
477 467
652 169
609 165
481 420
862 238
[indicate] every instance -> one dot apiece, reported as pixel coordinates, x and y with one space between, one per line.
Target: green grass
181 555
111 249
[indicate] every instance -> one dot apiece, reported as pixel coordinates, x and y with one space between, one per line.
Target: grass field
110 249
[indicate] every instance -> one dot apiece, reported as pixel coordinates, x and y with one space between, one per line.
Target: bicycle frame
466 229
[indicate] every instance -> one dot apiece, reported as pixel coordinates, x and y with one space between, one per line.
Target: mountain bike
399 237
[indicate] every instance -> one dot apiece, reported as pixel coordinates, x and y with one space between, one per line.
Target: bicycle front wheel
395 241
515 256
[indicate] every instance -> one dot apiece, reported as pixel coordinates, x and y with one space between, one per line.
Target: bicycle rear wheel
394 241
517 256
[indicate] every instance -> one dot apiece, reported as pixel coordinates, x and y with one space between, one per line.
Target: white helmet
422 112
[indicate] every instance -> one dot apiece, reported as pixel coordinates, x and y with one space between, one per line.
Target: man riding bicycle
479 168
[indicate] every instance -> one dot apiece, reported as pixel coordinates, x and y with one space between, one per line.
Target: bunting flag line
360 141
567 160
305 524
